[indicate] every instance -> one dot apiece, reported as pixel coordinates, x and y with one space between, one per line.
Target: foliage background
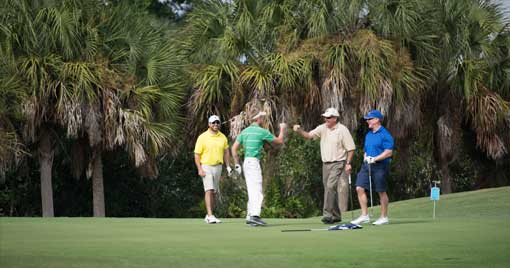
292 172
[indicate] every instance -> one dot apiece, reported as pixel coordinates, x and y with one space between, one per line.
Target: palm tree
19 35
470 37
295 58
101 79
297 51
11 147
356 56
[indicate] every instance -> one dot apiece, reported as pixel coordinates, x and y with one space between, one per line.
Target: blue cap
373 114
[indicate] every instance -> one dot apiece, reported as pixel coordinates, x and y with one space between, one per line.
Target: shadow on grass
411 221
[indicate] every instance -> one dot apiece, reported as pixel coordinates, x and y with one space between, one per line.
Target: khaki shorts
212 176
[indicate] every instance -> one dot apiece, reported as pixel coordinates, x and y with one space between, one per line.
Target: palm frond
487 112
259 79
374 56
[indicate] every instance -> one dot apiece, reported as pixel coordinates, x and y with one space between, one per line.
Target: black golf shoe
255 221
329 220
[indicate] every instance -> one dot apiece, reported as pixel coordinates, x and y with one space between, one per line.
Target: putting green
471 230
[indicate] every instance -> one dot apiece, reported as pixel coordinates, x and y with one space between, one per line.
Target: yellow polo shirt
211 148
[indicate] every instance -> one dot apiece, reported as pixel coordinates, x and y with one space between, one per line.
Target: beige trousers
336 189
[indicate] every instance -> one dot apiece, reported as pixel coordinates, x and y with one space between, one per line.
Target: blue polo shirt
377 142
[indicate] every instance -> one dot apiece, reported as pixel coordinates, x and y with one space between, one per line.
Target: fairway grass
472 229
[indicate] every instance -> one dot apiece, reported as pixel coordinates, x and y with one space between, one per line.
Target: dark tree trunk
46 163
447 136
97 186
446 183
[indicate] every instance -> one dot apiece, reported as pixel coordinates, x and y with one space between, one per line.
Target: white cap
213 118
258 115
331 112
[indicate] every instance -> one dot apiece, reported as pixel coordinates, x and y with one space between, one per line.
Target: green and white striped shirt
252 138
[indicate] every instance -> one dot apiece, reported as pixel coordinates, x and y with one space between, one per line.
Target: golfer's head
257 115
214 122
330 116
373 118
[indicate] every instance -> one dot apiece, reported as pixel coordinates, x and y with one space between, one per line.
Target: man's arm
279 139
300 131
237 167
201 172
387 153
226 157
348 162
235 147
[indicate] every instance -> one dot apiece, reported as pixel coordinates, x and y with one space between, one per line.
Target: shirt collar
379 130
334 127
212 134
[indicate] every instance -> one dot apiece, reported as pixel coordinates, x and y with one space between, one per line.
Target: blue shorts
378 172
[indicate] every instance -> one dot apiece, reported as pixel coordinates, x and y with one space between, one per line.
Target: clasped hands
369 159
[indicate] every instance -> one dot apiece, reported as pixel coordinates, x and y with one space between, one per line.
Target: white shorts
212 176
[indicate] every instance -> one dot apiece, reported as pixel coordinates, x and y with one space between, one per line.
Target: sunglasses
329 117
216 122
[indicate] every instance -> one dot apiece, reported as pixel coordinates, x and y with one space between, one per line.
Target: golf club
370 184
304 230
350 197
345 226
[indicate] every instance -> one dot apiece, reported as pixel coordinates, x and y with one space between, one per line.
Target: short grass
472 229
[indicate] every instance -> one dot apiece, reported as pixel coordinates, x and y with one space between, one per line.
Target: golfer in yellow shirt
211 149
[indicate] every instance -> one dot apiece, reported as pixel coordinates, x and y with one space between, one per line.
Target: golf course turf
471 229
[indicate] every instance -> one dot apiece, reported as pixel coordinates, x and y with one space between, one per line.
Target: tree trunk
45 164
446 183
445 149
97 186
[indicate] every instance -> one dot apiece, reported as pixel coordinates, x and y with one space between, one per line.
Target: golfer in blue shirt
378 151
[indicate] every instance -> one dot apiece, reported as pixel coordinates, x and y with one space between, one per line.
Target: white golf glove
229 171
239 170
296 127
370 159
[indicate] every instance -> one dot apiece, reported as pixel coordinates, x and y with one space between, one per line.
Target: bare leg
384 204
362 198
209 201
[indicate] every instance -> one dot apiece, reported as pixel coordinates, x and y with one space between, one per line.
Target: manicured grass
472 229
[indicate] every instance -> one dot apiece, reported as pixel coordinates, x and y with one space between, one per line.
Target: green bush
295 188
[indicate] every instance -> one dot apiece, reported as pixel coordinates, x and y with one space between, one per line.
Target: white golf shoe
216 220
381 221
361 219
211 219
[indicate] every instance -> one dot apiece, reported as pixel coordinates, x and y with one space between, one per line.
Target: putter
350 197
370 183
304 230
345 226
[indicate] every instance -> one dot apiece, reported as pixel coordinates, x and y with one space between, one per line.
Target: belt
332 162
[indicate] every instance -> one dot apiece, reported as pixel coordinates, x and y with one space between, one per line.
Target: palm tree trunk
97 186
46 163
446 183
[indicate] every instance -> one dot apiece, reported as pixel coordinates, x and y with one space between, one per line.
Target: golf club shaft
304 230
370 183
350 197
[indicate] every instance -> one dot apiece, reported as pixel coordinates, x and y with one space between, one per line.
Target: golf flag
434 193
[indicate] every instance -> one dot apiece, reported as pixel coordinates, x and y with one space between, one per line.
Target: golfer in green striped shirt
252 139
